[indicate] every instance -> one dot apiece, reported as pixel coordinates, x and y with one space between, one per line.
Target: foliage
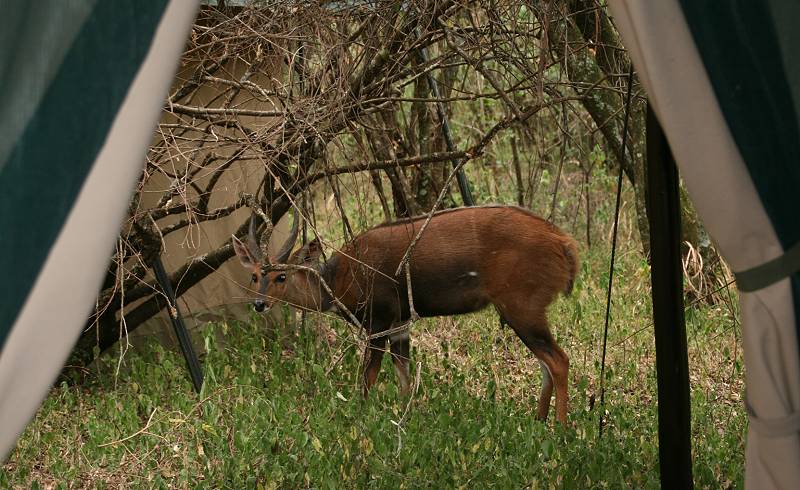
283 410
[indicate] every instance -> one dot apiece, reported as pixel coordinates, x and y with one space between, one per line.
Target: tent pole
193 363
672 361
461 176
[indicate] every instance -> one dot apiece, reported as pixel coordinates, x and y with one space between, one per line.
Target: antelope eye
280 278
254 278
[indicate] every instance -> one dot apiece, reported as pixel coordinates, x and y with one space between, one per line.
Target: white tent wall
669 65
55 311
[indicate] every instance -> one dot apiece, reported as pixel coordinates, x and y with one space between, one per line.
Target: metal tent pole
672 361
175 317
461 177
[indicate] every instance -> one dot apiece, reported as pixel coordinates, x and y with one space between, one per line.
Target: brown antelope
465 260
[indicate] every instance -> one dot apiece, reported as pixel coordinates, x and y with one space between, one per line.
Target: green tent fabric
723 79
81 87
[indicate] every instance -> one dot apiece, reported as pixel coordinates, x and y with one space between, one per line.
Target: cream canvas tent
225 294
724 81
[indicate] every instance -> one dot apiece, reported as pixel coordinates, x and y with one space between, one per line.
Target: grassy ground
283 410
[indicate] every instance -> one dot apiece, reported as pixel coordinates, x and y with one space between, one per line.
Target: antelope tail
571 254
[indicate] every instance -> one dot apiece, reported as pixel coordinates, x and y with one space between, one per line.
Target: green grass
284 410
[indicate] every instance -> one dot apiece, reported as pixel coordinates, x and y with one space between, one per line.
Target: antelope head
299 286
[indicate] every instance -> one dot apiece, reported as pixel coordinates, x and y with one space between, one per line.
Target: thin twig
143 429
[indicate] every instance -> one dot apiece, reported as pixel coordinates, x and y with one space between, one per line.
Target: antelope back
464 259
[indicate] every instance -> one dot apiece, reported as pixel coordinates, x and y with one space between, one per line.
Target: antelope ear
245 257
308 253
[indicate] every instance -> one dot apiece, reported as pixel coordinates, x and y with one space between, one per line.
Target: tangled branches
278 98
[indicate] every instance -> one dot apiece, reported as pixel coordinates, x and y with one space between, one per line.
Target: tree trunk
604 104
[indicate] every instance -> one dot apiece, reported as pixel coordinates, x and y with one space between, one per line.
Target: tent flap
67 177
722 80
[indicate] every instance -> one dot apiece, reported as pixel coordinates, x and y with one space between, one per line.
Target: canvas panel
742 56
56 309
746 61
48 163
785 15
32 47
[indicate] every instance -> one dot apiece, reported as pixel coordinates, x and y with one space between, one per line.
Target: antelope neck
327 272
